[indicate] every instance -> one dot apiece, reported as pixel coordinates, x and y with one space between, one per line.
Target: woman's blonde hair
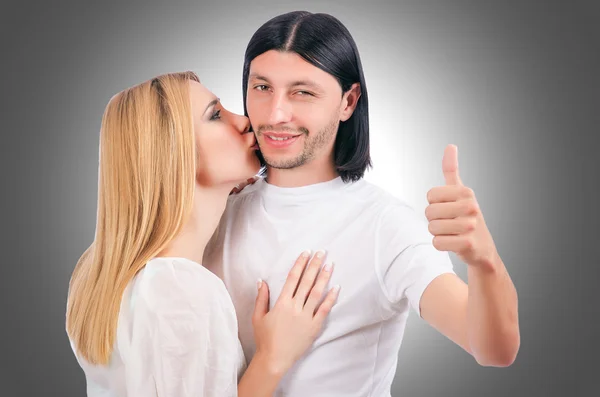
145 192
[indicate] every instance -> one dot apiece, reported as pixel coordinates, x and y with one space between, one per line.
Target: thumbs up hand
455 219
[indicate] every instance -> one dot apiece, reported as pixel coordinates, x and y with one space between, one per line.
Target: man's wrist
489 264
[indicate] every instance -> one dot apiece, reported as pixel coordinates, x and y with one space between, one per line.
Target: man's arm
481 317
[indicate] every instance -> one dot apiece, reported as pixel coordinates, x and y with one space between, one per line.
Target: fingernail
320 254
259 283
306 253
328 267
336 289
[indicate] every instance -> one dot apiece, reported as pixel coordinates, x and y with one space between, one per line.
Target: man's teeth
279 139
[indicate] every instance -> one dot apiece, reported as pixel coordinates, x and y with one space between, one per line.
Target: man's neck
307 174
209 205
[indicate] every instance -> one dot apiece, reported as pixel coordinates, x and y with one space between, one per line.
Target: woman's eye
216 115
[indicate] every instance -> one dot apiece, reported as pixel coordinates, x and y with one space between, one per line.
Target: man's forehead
288 68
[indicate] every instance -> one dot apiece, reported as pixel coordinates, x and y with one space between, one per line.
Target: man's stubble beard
312 145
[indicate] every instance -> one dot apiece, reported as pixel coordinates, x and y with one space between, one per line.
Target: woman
143 316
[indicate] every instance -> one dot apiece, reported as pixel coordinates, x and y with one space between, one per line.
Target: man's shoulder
248 193
237 204
378 198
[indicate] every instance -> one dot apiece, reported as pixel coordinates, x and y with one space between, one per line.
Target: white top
177 336
384 259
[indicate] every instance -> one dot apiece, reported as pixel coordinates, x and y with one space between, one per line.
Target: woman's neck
209 205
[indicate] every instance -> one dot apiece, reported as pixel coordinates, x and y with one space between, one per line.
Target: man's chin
279 160
283 163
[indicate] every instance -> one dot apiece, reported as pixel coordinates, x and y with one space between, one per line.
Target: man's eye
305 93
261 87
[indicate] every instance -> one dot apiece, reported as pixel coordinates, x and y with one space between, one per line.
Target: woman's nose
242 123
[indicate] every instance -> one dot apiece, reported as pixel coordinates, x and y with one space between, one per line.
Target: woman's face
226 150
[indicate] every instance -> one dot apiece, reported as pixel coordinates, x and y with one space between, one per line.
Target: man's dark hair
324 42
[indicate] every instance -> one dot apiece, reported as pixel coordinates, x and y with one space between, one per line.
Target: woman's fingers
305 285
261 306
326 305
291 283
242 185
316 293
308 279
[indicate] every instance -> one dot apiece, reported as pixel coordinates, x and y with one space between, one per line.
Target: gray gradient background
514 84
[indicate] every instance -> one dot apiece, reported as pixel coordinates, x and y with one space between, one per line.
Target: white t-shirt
176 336
383 260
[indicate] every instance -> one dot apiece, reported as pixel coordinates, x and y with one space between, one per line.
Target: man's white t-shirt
383 260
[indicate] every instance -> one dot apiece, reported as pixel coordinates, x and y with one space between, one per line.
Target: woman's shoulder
173 312
166 283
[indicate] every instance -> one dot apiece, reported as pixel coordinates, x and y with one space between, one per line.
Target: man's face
294 107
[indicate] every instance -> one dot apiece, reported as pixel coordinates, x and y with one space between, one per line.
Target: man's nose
281 111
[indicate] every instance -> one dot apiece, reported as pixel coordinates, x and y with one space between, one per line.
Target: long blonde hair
145 193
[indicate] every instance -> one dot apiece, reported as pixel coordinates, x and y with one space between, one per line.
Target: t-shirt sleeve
406 260
184 337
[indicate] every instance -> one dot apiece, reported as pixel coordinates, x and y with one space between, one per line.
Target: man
306 98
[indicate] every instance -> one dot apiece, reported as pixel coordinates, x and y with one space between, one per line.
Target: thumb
261 306
450 165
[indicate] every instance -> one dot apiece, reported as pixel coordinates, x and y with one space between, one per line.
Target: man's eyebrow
307 83
258 77
211 103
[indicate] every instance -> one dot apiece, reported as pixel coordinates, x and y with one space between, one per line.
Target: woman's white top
177 335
